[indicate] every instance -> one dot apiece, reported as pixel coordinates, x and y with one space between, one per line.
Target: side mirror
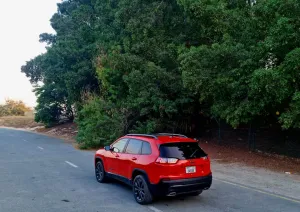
107 148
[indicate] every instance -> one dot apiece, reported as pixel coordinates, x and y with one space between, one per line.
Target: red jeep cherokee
155 165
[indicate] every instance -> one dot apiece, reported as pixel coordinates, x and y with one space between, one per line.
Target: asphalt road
41 174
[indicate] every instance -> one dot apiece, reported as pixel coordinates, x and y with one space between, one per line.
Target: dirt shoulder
233 155
67 132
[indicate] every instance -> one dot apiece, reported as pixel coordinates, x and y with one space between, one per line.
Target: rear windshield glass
188 150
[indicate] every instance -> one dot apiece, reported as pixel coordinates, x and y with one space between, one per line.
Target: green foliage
52 105
66 70
13 108
147 127
159 65
49 115
100 123
290 70
240 72
291 117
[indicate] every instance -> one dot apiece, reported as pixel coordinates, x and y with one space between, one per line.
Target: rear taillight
166 160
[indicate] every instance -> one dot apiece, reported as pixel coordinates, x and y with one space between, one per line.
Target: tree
162 65
66 69
242 72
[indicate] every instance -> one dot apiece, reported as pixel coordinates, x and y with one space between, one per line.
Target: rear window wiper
194 153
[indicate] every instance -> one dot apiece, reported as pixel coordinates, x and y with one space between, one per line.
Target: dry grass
26 121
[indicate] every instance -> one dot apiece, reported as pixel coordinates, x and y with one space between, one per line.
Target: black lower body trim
183 186
119 178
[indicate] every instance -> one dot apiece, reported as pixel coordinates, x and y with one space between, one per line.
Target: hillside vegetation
119 66
13 108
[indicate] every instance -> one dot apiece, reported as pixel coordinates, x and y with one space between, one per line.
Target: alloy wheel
139 190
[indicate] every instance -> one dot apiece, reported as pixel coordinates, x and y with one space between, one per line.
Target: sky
21 23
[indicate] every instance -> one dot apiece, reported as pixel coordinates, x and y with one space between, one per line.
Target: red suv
155 165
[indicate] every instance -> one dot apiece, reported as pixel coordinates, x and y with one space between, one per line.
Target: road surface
43 174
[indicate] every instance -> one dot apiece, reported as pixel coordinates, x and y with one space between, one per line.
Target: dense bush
99 123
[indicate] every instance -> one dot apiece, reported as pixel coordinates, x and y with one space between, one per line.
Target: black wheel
141 191
194 194
100 173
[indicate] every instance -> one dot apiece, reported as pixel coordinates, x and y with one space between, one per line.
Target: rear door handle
117 156
134 158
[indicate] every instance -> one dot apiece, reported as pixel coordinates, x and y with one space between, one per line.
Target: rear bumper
182 186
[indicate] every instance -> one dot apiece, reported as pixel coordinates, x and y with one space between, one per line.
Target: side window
119 145
146 149
134 147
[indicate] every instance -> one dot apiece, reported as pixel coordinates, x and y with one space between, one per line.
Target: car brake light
167 160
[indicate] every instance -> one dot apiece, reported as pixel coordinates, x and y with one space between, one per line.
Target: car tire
141 191
194 194
100 172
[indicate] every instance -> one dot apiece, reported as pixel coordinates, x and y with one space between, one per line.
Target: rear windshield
182 151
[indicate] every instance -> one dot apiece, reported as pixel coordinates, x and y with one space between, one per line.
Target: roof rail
171 134
143 135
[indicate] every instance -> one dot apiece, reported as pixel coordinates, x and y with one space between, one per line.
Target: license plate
190 169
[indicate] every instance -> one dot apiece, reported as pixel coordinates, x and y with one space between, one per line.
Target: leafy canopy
161 65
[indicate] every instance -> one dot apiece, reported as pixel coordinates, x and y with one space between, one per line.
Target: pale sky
21 23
